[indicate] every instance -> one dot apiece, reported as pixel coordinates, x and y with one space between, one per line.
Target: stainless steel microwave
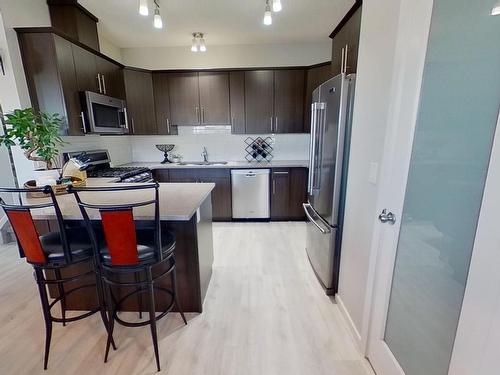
103 114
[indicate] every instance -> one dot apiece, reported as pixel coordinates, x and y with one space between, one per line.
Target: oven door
104 114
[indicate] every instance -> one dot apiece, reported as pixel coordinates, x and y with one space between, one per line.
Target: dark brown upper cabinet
111 78
199 98
315 77
259 99
184 98
345 42
95 73
50 75
214 98
74 20
237 99
162 104
140 102
86 70
289 101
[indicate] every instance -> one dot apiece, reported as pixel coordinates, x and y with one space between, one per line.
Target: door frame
409 61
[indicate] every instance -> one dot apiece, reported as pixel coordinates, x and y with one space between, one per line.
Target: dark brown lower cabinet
288 192
221 177
288 189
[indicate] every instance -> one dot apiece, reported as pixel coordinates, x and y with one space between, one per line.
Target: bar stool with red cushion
131 249
51 253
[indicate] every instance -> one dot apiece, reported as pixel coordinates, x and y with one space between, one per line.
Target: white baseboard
350 323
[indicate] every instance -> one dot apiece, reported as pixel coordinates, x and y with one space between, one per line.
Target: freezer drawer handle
306 210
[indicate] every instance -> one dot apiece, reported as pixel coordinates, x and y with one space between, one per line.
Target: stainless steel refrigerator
328 160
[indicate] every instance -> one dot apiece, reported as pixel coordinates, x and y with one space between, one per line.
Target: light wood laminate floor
264 314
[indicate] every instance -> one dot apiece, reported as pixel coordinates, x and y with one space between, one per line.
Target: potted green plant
36 133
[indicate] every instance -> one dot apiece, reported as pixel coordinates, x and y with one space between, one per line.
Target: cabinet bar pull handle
342 61
274 187
203 115
168 126
276 125
103 83
99 82
280 172
271 124
197 110
133 126
84 126
346 58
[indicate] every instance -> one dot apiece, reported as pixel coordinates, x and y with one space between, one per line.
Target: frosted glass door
459 106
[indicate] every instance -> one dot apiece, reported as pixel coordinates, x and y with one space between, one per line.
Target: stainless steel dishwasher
250 189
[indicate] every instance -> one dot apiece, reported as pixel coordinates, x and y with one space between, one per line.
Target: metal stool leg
137 277
46 314
174 285
102 307
60 288
111 317
152 315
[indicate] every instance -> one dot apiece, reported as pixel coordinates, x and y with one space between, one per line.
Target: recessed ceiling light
143 7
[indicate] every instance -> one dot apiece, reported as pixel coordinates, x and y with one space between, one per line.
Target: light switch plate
373 173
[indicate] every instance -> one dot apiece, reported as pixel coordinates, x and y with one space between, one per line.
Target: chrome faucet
205 154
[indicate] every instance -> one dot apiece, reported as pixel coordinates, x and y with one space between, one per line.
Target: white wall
229 56
375 65
107 48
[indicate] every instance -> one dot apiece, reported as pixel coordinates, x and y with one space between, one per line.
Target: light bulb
277 6
157 21
496 10
143 7
268 18
194 45
203 47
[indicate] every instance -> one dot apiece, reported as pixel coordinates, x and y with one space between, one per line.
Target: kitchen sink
203 163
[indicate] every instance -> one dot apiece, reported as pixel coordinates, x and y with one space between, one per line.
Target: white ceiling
224 22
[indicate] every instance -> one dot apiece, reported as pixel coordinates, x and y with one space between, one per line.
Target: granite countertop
230 164
178 201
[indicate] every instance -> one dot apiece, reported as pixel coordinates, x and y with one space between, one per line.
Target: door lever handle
387 217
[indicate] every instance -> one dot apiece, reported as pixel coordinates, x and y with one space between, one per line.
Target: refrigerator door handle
306 207
320 130
312 148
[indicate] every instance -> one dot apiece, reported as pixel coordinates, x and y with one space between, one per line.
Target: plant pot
58 189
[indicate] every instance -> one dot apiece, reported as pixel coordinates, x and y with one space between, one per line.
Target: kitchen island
185 209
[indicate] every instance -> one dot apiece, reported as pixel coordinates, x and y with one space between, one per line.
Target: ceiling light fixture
143 8
157 21
277 6
194 44
268 18
496 10
198 43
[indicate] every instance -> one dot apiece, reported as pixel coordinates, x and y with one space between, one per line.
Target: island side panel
205 246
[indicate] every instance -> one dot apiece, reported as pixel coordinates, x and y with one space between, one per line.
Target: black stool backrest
24 227
118 222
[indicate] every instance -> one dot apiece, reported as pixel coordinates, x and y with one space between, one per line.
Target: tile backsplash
227 147
220 147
